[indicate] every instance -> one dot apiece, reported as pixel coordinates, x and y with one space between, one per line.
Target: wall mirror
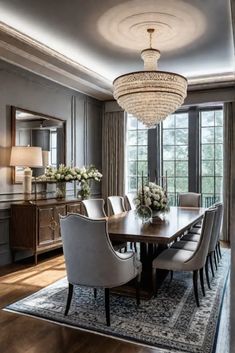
36 129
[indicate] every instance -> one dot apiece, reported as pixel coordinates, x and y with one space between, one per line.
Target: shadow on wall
5 153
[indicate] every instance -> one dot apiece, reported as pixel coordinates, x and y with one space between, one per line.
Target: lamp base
27 183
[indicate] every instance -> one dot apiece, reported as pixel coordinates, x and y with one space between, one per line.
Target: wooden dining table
153 238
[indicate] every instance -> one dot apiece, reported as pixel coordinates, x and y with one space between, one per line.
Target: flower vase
61 190
144 213
84 192
158 216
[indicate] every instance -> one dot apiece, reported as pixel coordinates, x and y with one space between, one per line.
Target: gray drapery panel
113 153
229 171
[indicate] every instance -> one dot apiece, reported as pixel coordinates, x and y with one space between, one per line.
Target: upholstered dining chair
194 236
94 208
189 199
91 260
129 202
116 205
184 260
191 241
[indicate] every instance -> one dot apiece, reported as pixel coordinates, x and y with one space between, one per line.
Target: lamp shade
26 157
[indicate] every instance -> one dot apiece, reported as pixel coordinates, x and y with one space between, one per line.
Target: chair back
94 208
198 259
89 256
115 205
129 202
216 226
189 199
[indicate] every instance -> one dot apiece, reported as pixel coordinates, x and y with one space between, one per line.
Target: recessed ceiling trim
51 64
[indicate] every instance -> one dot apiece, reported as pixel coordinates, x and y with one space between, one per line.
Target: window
211 161
137 154
188 146
175 154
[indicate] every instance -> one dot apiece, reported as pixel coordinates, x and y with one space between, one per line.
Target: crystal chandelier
150 95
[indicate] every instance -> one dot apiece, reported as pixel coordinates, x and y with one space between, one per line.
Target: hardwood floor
22 334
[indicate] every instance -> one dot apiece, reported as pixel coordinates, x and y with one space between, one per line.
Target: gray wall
83 116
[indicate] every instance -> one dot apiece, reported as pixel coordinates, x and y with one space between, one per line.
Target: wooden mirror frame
13 133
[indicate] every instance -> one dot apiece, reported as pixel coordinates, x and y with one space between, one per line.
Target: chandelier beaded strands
150 95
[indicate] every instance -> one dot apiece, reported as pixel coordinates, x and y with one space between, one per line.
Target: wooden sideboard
35 225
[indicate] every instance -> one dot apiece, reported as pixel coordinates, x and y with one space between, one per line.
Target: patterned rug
171 321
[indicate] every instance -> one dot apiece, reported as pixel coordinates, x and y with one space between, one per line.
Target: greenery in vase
153 196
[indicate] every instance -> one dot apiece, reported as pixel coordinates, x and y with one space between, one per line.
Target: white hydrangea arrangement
67 174
153 196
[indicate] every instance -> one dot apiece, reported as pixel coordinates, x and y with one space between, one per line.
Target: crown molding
23 51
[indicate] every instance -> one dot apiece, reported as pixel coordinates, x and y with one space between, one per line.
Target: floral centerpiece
60 175
65 174
151 196
84 176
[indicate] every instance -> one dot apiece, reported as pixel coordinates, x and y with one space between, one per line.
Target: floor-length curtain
113 153
229 172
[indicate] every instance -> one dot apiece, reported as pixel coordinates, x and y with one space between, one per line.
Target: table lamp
27 157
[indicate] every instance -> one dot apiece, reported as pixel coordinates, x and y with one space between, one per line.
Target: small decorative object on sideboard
154 197
85 176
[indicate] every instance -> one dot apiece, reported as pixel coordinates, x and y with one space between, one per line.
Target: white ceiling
106 36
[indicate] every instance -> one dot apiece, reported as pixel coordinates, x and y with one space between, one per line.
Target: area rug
170 321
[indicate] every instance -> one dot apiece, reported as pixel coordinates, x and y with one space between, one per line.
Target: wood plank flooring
22 334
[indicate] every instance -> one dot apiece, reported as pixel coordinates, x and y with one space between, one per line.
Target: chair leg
95 293
219 248
171 274
211 264
195 280
107 309
69 298
135 247
137 288
217 254
202 282
154 270
215 260
207 274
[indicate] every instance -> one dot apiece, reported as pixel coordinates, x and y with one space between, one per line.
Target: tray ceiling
102 39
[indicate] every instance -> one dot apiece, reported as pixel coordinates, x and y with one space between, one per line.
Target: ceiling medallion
150 95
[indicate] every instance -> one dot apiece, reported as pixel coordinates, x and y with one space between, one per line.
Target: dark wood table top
128 227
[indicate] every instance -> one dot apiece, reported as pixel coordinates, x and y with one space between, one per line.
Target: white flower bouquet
65 174
153 196
61 174
84 175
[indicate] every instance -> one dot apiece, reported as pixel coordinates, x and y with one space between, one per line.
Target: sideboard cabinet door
46 225
58 211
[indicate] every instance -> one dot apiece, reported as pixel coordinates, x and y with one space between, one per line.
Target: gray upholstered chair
94 208
129 202
185 260
91 260
116 205
194 236
213 250
189 199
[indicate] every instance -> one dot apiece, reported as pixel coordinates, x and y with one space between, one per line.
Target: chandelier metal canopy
150 95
